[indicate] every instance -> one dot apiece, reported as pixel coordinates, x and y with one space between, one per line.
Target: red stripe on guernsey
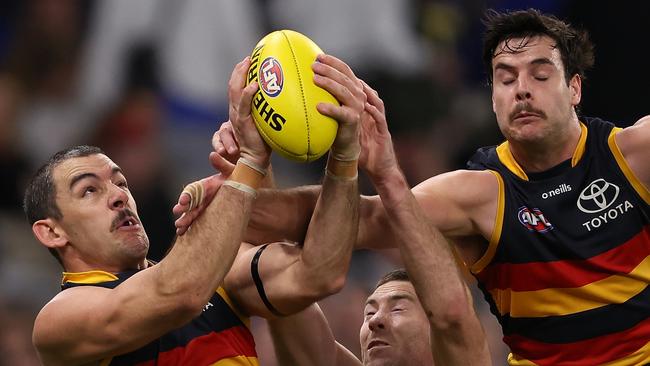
541 275
593 351
210 348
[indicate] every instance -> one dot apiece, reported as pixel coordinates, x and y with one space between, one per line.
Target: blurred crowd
147 81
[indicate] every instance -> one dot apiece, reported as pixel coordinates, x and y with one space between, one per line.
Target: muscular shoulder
455 201
59 321
467 188
634 143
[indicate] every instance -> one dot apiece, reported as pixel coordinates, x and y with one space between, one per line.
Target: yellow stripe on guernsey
514 360
506 157
629 174
238 361
496 230
224 295
614 289
88 277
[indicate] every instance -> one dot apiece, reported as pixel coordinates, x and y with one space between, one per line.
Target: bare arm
634 143
295 277
305 338
457 335
89 323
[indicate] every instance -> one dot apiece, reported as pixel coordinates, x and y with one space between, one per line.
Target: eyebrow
78 178
510 68
392 298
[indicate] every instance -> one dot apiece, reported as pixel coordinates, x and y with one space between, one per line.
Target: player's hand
226 149
240 97
188 214
377 154
336 77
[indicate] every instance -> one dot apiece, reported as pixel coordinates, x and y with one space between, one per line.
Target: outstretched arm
456 333
86 324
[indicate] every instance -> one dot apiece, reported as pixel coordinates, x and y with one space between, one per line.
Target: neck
79 266
540 156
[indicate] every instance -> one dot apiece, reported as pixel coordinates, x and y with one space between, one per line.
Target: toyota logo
597 196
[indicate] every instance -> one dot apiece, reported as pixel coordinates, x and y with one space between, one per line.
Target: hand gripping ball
284 107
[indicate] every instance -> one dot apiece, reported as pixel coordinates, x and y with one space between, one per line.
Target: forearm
331 235
281 214
304 338
433 270
199 260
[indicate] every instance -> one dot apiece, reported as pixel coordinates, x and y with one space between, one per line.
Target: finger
238 79
341 114
246 100
327 71
379 118
336 63
227 139
179 209
221 164
373 96
338 90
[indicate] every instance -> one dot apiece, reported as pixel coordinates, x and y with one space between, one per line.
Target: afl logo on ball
271 78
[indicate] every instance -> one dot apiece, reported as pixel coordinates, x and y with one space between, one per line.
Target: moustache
526 107
121 215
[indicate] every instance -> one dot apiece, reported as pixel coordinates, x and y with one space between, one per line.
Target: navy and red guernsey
218 337
567 268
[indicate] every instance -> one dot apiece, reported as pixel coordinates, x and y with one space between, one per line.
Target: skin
92 192
534 103
395 330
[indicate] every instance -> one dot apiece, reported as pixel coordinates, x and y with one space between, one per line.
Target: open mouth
376 343
127 222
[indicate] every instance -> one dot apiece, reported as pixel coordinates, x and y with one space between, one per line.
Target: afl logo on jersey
271 78
597 196
533 220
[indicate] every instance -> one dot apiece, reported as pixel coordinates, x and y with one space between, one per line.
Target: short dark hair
39 201
394 275
575 48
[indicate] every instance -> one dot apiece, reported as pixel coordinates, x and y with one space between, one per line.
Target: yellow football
284 107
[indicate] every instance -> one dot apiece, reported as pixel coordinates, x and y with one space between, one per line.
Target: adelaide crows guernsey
568 265
219 336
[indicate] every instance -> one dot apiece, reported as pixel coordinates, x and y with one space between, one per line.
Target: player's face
100 217
530 95
395 329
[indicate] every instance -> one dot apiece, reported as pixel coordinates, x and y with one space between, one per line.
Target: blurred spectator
13 164
16 336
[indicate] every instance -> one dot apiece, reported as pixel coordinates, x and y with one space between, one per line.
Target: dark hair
40 196
394 275
575 48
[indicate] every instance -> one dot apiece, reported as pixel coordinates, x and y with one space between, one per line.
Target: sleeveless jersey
567 268
218 337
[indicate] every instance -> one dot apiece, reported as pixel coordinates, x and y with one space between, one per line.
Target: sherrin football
284 107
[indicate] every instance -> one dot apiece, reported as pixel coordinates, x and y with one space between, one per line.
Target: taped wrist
342 169
246 177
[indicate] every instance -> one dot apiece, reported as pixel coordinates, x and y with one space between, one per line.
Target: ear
49 233
575 88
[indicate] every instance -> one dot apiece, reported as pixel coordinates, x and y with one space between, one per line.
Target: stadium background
146 80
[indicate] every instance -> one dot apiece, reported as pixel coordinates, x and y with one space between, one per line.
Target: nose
523 91
118 197
377 321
